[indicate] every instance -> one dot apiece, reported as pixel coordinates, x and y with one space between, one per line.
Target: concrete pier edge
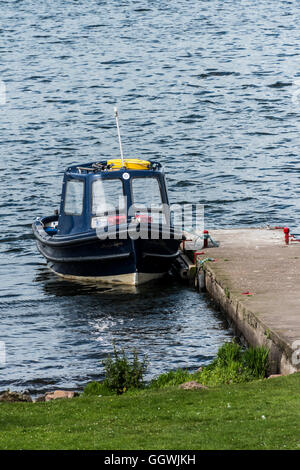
258 260
244 322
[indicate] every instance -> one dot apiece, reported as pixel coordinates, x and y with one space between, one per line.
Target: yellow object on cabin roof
129 164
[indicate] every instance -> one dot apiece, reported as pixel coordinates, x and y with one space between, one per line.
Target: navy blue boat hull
86 257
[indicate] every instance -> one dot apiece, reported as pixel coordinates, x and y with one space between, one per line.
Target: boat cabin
106 193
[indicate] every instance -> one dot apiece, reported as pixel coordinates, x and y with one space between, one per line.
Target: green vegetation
240 409
97 388
121 374
256 360
263 414
267 333
233 364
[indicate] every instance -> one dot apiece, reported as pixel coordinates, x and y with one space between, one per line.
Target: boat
114 224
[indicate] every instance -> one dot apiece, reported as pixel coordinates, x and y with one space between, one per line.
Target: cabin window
74 197
108 196
146 192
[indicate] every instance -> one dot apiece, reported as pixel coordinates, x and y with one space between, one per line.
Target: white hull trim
131 279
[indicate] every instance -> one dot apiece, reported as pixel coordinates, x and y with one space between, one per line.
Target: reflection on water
56 285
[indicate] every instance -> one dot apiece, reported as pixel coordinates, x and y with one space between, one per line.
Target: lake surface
211 89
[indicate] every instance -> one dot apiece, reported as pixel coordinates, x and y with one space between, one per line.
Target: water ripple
207 88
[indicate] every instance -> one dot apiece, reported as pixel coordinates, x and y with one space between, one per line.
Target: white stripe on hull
131 279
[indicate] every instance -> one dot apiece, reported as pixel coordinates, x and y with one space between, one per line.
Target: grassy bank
263 414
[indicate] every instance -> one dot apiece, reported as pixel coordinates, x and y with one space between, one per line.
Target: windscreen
107 196
74 197
146 193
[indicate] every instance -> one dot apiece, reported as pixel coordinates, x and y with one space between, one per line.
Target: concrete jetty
255 280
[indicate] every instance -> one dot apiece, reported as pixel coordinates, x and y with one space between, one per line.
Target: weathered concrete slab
259 262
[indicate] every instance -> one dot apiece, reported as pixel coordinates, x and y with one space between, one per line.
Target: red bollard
205 238
286 232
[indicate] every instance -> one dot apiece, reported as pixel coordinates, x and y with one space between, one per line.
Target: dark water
209 88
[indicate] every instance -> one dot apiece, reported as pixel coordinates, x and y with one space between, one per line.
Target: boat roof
111 166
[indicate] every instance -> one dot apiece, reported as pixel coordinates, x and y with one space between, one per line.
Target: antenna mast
119 135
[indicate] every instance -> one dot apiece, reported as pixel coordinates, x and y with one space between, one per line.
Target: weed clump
233 364
121 373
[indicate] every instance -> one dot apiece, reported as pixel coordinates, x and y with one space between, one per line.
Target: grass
262 414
